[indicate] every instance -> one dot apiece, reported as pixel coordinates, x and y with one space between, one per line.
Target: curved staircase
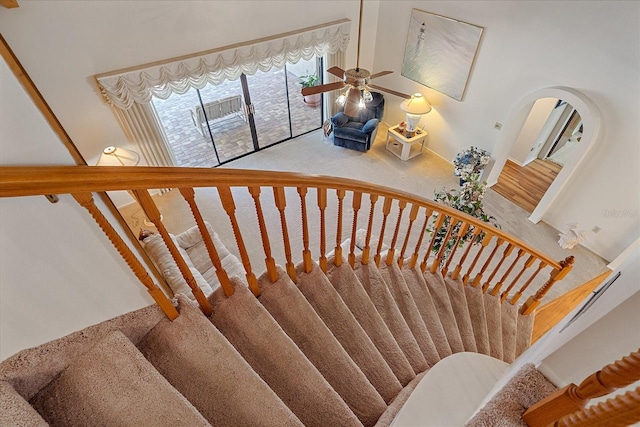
341 341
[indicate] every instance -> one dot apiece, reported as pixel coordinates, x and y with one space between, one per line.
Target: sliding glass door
219 123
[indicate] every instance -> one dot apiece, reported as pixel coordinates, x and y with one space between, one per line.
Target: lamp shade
417 104
117 156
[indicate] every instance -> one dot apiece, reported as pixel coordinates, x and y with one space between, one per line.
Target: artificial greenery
467 199
309 80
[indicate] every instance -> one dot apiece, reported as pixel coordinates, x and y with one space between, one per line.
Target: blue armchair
358 133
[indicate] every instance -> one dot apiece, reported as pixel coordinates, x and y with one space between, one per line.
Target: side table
400 145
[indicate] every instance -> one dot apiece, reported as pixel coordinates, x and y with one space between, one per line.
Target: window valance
138 84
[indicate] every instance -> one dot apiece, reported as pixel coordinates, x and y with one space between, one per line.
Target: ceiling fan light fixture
342 99
366 95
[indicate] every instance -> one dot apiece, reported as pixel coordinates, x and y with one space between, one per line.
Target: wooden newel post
572 398
86 201
557 274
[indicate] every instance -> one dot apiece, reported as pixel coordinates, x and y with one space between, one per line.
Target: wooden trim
41 104
550 314
39 101
9 4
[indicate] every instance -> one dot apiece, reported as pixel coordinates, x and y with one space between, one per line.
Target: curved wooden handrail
573 398
37 180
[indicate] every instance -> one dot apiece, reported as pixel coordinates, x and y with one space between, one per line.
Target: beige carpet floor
314 154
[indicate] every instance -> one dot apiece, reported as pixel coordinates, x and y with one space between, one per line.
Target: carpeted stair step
202 365
382 299
475 302
275 357
16 411
509 324
527 387
346 283
328 304
288 306
440 296
524 331
417 285
494 324
394 279
455 288
113 384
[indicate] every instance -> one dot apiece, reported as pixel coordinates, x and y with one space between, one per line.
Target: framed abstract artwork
440 52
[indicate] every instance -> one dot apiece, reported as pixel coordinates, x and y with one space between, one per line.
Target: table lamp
415 107
118 156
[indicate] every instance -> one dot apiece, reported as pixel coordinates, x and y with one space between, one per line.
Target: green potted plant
309 81
467 199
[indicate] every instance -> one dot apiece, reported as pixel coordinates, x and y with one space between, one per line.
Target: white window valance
177 75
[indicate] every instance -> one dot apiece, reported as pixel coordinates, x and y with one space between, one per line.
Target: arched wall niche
591 130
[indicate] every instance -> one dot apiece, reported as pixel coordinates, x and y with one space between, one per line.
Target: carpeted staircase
345 348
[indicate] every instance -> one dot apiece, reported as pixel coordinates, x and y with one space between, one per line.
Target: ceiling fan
354 78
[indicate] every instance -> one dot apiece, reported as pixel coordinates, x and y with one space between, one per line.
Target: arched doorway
591 129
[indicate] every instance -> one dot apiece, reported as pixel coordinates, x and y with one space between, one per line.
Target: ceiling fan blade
392 92
336 71
380 74
322 88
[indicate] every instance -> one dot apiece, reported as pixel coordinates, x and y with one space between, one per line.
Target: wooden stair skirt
345 348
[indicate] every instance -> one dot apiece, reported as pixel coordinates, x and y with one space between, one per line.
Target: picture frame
440 52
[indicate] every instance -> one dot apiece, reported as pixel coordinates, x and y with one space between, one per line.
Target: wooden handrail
18 181
622 410
448 228
572 398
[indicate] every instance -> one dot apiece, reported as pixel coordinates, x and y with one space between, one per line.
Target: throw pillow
370 126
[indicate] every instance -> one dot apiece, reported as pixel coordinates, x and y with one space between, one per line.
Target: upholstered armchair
359 132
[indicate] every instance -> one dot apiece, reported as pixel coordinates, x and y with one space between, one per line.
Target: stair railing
567 406
463 239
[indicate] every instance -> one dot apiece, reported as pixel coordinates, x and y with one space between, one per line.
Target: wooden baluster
571 398
483 244
281 204
516 297
270 263
306 253
505 254
386 209
528 263
557 274
401 205
86 201
622 410
474 236
496 289
337 259
356 204
443 247
414 257
151 211
461 232
436 226
226 197
367 249
190 196
412 217
322 206
478 278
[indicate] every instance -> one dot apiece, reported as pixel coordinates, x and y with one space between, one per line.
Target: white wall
58 272
530 135
592 46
